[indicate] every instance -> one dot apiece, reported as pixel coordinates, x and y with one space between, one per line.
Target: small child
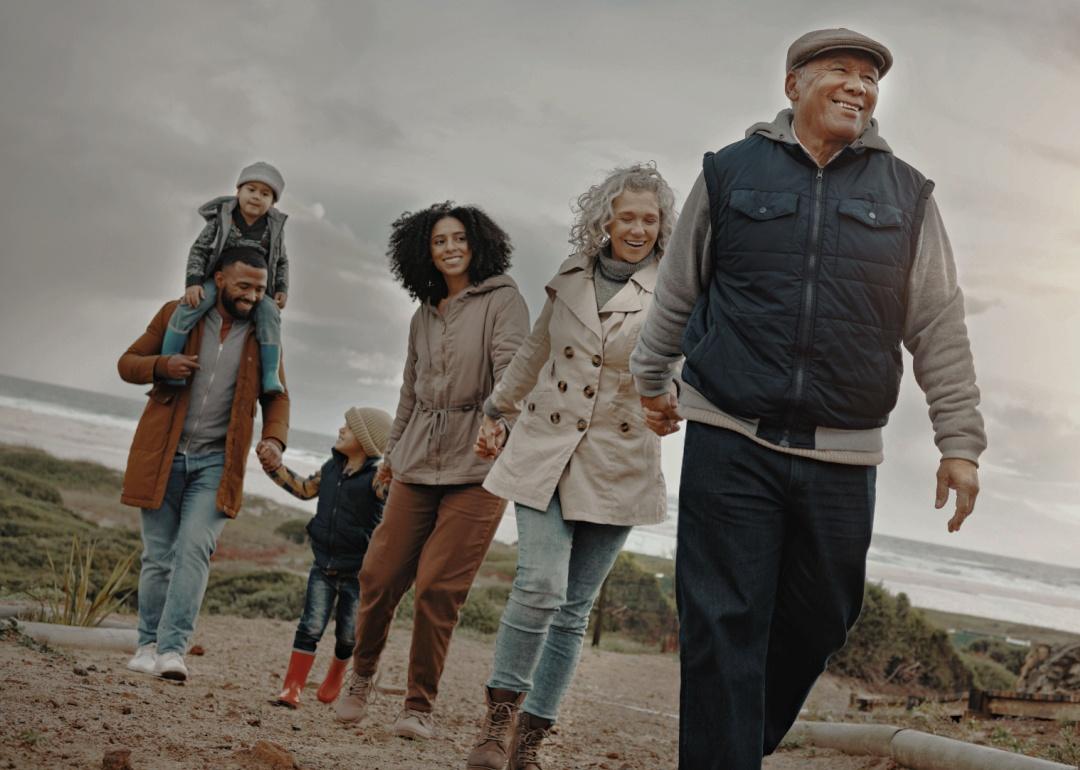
350 506
245 219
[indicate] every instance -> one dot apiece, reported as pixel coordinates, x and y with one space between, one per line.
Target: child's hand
180 367
269 454
280 298
383 476
193 295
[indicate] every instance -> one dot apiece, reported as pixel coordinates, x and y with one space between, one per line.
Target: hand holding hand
193 295
179 366
281 298
384 475
490 439
661 413
269 453
963 476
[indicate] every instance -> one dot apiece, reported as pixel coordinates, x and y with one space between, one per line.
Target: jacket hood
491 284
779 130
224 205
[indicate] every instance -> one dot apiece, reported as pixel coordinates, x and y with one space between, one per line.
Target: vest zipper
333 516
809 298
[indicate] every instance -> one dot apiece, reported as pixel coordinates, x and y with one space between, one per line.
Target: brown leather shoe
525 749
490 750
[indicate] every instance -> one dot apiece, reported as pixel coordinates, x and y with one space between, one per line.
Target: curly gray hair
589 234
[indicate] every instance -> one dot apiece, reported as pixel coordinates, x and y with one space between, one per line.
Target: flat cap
821 40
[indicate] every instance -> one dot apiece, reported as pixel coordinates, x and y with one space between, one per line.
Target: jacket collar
223 206
780 130
580 296
485 286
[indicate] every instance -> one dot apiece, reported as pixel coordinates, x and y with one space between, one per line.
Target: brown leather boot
490 750
525 749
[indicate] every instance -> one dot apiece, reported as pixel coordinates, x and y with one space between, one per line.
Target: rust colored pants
436 536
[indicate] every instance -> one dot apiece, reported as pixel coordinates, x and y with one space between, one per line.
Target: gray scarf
611 274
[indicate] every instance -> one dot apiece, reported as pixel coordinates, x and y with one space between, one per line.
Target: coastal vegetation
261 565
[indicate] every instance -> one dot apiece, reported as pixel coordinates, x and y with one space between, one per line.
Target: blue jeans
178 539
322 590
769 570
561 566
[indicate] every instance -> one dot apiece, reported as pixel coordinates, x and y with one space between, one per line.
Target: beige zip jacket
453 363
581 430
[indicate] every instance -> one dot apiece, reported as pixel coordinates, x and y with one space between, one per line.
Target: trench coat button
625 427
590 391
582 425
568 352
555 417
532 407
562 386
597 360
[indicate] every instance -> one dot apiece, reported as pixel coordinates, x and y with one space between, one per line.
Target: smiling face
347 443
240 287
833 97
634 225
254 200
450 250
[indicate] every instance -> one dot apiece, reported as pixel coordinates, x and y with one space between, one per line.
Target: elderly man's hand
661 413
962 476
269 453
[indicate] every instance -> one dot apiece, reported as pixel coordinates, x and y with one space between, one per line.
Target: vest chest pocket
761 221
870 231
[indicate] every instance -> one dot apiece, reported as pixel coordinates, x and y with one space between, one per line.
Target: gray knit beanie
262 171
371 428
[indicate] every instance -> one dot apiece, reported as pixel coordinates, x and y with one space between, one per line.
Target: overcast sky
118 119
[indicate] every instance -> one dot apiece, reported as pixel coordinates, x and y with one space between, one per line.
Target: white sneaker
144 659
416 725
170 665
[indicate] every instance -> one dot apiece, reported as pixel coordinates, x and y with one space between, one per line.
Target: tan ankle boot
490 750
525 749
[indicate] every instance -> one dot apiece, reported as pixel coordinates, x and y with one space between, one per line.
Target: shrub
988 674
294 530
71 474
260 594
892 641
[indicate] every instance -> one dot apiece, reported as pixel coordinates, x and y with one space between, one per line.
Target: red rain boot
331 686
295 678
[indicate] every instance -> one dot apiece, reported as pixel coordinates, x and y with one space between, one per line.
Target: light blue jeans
178 539
561 566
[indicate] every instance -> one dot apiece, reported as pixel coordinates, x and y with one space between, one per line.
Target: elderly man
805 255
186 466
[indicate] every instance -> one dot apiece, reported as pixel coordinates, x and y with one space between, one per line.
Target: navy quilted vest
347 514
802 322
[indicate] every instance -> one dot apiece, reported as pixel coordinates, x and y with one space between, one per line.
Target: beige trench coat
452 365
581 429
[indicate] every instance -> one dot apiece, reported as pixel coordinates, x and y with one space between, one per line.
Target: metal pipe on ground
915 749
120 639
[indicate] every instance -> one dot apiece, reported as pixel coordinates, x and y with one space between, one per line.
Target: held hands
661 413
269 453
180 367
193 295
963 476
281 298
490 439
385 474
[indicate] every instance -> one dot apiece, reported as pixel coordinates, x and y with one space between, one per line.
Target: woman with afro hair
580 465
439 520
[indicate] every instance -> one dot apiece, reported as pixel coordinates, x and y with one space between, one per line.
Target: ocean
933 576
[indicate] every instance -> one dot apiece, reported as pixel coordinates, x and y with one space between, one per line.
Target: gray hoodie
934 331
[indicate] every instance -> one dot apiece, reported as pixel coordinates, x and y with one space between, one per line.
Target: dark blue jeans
770 567
322 590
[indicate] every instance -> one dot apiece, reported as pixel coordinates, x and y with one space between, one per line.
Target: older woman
580 465
438 521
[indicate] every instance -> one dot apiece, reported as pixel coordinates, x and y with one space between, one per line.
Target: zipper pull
820 171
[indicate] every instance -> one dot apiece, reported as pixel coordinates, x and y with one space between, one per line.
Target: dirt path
66 711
